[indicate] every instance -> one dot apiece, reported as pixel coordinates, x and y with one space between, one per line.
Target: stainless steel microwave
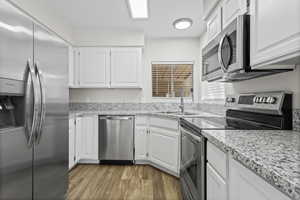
227 57
229 51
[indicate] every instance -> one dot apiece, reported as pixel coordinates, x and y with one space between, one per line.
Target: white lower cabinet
216 185
245 185
164 148
141 143
87 139
157 142
72 143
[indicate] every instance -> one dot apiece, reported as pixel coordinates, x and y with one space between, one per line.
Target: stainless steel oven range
255 111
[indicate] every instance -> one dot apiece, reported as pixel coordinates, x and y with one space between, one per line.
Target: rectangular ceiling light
138 9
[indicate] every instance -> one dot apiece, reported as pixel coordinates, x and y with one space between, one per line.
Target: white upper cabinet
214 24
93 67
96 67
126 67
275 31
231 9
208 6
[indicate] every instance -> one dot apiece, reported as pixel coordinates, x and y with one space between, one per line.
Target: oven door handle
192 136
220 59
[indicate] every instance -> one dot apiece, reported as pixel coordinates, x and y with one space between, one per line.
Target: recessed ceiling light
183 23
138 9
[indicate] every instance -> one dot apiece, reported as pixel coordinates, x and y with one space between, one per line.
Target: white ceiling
114 14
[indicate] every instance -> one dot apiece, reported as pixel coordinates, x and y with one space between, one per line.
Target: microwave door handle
220 59
42 115
30 82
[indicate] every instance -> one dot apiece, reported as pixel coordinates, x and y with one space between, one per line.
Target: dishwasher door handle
117 118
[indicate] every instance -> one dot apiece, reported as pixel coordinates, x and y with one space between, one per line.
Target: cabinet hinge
147 154
74 158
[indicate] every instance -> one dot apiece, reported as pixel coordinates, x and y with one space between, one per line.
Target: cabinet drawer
171 124
215 183
141 121
217 159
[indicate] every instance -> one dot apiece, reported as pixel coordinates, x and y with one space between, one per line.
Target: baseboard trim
148 162
137 162
88 161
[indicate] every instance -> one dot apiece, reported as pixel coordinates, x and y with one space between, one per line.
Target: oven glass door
228 50
191 170
211 68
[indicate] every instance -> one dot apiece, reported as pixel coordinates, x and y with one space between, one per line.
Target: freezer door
16 48
15 165
116 138
16 42
51 144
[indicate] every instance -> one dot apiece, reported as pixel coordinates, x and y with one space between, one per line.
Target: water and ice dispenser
11 104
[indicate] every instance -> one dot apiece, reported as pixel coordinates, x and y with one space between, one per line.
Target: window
172 79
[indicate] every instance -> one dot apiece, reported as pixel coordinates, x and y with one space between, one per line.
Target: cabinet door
141 144
126 67
89 138
71 67
245 185
78 133
216 185
214 24
275 31
164 148
94 67
208 6
71 143
231 9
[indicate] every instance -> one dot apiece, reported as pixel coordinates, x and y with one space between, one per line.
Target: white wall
106 95
177 49
289 81
39 12
108 37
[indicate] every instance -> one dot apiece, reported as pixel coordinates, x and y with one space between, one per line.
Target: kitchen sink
177 113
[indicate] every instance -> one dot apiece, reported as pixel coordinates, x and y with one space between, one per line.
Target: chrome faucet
181 106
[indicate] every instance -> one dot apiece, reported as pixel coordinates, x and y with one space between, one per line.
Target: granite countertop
142 112
271 154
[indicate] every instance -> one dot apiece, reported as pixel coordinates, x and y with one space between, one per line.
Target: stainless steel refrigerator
33 109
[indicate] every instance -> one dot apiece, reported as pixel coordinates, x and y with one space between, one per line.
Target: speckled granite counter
141 112
273 155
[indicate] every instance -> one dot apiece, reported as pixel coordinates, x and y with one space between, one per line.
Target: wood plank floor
107 182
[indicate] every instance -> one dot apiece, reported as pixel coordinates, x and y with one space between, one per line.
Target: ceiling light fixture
183 23
138 9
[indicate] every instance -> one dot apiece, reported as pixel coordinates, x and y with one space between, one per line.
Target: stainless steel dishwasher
116 139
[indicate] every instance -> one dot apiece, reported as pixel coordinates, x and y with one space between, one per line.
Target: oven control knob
272 100
265 100
230 100
260 100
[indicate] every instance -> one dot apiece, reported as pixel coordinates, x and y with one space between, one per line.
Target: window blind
172 80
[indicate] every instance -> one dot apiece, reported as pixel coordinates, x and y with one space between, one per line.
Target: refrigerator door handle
30 87
42 115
